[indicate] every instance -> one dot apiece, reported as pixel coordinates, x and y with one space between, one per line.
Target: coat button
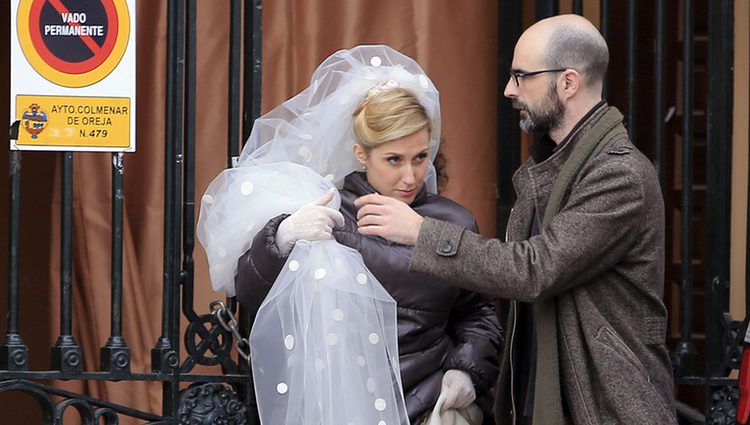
447 248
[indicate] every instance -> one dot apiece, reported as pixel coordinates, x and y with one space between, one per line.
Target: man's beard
544 119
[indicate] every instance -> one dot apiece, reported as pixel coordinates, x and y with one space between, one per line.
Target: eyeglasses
521 74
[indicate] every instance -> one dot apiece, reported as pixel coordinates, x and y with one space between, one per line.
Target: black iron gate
222 398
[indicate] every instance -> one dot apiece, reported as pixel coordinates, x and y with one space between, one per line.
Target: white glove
457 389
312 222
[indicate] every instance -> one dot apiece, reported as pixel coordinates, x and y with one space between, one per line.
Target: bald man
583 257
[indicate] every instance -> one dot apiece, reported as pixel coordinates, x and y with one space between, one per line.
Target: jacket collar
545 147
587 119
357 184
544 152
533 180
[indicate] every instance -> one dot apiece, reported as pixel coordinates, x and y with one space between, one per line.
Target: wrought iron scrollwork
84 410
732 340
211 404
206 341
46 405
90 410
723 400
109 415
723 408
89 414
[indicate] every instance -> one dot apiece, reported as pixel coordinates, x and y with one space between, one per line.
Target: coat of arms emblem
34 120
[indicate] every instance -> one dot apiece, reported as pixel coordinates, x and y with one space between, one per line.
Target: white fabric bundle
240 201
470 415
333 372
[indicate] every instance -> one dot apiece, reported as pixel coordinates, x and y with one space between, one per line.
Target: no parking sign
73 74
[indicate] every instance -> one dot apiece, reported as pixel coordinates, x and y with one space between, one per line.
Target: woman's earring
364 168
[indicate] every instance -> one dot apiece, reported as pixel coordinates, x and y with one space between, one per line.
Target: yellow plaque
73 122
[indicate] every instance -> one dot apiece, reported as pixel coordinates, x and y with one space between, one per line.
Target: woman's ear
360 154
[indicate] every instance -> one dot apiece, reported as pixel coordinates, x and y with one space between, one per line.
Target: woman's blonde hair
387 115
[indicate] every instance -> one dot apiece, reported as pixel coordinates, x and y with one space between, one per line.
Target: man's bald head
571 41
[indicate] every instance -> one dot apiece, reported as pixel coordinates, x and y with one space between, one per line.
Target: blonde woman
448 338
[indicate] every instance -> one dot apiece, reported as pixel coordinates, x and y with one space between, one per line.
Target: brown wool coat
600 260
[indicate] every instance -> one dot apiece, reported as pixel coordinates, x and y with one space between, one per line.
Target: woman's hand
458 390
312 222
388 217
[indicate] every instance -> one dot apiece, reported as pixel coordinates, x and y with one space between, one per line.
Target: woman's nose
408 175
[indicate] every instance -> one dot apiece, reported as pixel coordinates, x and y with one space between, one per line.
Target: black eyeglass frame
515 75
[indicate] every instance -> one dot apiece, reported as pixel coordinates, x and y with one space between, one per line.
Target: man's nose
511 91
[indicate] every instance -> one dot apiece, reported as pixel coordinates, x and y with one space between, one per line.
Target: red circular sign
94 53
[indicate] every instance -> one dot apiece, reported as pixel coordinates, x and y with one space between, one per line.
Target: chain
221 313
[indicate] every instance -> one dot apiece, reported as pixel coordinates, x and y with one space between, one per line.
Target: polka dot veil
324 343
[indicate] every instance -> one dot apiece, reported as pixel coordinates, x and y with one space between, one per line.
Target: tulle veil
324 343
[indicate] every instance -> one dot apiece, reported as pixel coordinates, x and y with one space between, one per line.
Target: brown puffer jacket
439 327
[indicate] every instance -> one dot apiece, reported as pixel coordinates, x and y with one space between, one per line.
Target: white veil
324 343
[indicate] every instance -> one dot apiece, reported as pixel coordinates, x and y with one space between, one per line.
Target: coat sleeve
594 231
258 267
478 339
474 328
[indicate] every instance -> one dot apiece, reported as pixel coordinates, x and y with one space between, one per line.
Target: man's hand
457 389
388 217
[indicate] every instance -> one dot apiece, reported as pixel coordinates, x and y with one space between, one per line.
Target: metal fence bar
719 151
508 131
188 175
235 40
14 354
66 247
632 70
235 124
172 388
604 19
686 351
115 355
253 12
578 7
14 236
177 143
237 59
163 355
721 331
66 354
659 72
252 65
546 8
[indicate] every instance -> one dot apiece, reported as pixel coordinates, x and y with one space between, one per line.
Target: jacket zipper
514 306
510 214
